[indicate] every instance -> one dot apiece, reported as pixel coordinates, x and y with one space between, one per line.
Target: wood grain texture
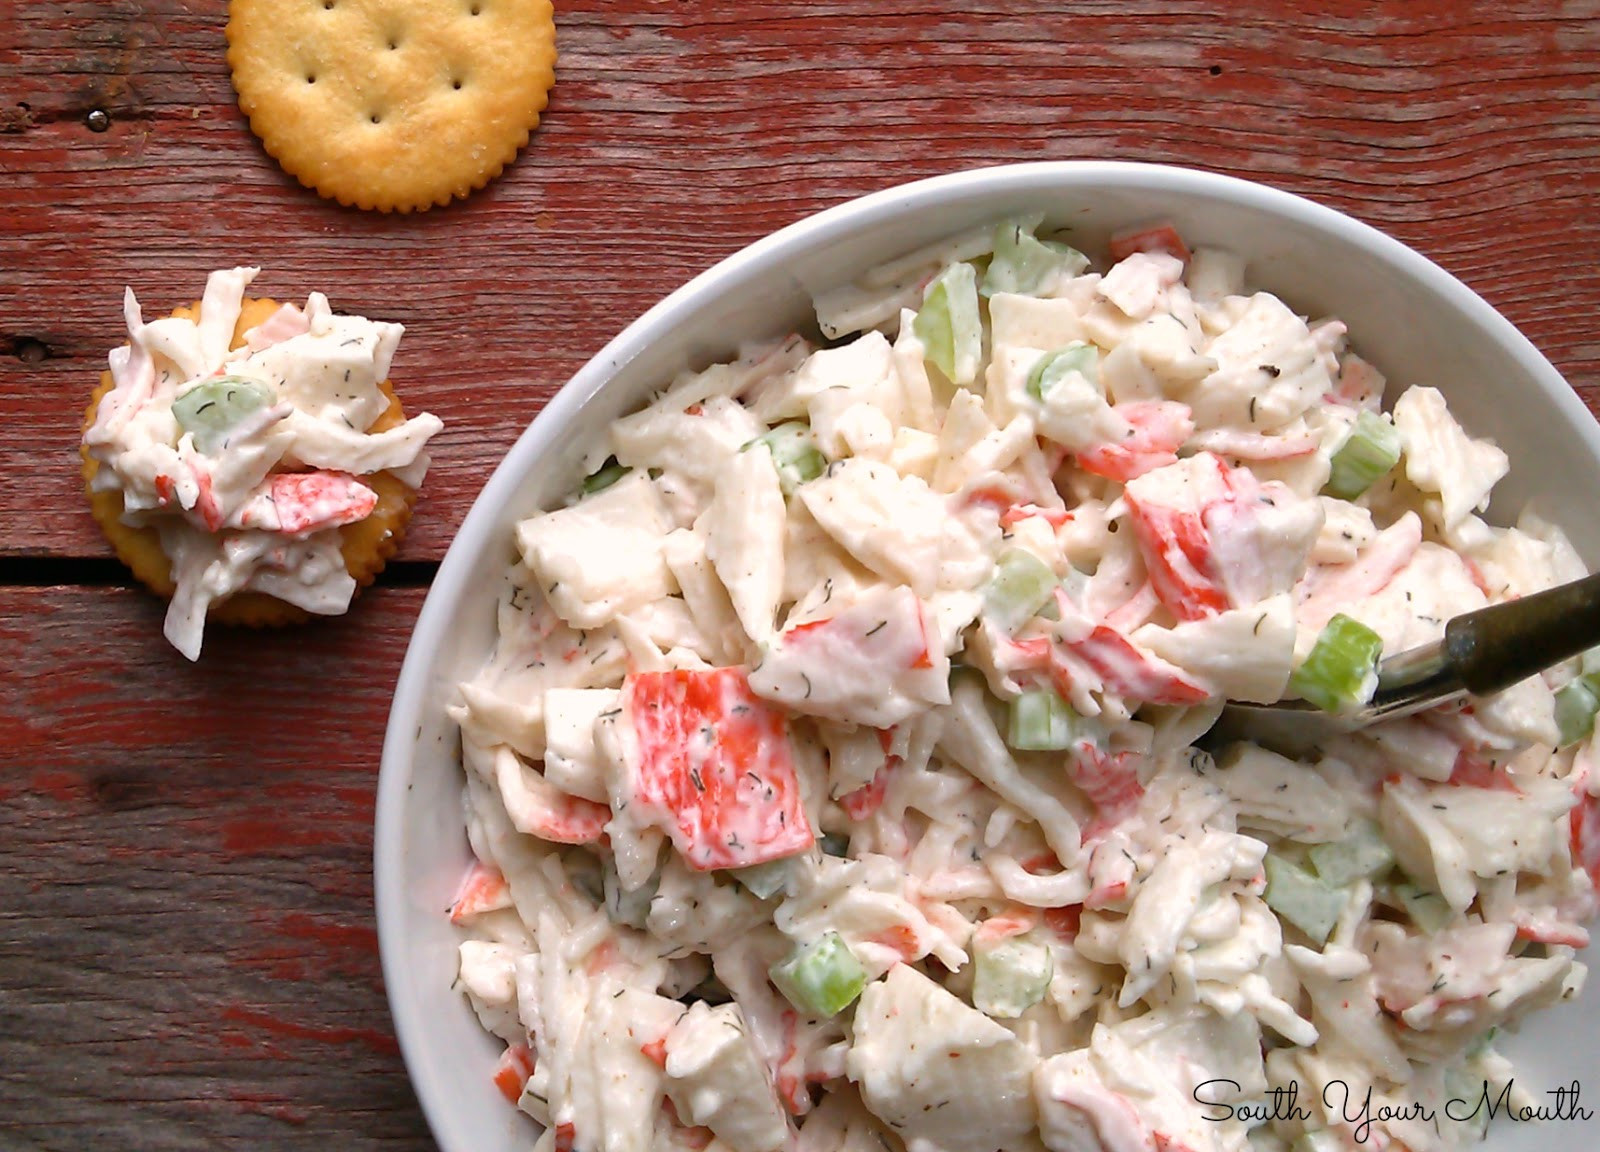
679 132
187 949
188 958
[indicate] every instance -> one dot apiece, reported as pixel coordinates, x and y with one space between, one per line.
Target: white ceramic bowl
1415 321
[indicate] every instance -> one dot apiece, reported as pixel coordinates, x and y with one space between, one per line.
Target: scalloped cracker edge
392 105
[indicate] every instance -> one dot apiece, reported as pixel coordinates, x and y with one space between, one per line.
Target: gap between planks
105 572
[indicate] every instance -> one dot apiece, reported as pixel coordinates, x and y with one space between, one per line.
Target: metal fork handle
1482 652
1495 647
1491 649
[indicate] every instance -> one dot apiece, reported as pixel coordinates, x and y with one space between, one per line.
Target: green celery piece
1427 910
630 908
590 882
822 978
1053 367
1022 262
1073 583
1341 670
1369 451
1023 584
1041 721
764 881
1302 899
1363 855
794 452
1319 1141
1010 977
604 476
1576 705
1460 1085
214 408
949 325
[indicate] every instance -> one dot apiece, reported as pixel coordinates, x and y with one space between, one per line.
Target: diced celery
764 881
833 844
794 452
604 476
1362 855
1011 976
822 978
1022 585
1302 899
1576 705
949 325
630 908
1460 1085
214 408
1053 367
1041 721
1023 263
1075 584
1319 1141
1369 451
1427 910
589 881
1341 671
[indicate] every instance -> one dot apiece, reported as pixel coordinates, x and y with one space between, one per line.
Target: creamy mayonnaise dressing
834 781
246 461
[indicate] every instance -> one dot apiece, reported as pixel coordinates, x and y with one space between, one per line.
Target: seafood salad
835 783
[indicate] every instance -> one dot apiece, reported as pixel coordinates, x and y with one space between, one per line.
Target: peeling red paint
266 1023
62 787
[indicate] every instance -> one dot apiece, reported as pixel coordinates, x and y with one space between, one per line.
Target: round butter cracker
394 105
366 545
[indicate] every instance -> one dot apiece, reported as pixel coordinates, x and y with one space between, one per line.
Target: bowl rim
399 758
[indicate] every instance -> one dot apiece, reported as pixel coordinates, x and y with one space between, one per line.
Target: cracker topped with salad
249 460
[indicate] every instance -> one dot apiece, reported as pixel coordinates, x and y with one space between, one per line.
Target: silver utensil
1481 653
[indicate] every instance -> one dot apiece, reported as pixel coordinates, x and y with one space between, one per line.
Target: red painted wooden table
187 947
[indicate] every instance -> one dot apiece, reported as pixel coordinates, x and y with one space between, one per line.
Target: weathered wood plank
677 133
188 955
